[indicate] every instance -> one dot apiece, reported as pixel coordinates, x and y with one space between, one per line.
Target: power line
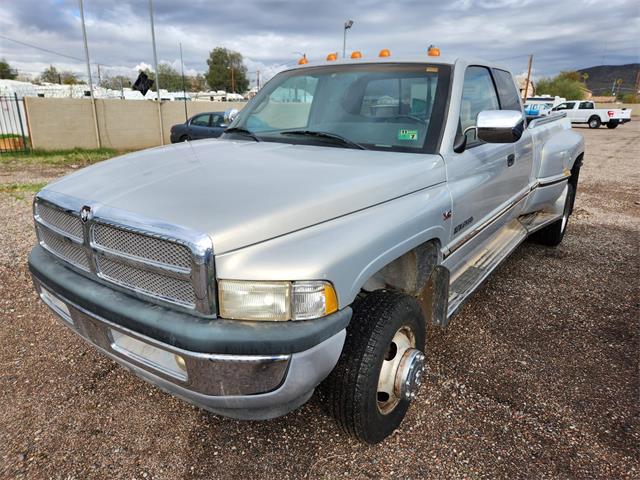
41 48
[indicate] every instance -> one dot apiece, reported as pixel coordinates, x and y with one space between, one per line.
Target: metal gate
13 126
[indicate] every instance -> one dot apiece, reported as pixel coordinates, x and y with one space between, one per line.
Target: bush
631 98
565 85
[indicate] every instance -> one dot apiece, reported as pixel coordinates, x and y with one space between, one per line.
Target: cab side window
201 120
585 106
565 106
478 94
507 91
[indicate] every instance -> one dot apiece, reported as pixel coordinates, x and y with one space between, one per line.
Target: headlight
276 301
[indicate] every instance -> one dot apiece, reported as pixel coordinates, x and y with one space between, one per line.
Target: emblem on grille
85 213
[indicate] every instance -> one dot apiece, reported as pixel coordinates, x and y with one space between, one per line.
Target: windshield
396 107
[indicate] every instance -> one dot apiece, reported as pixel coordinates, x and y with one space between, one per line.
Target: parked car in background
586 112
537 109
202 125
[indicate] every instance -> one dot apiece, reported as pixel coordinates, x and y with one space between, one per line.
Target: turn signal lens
331 57
356 54
433 51
313 300
385 52
276 301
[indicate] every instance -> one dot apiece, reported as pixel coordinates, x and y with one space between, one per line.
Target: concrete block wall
65 123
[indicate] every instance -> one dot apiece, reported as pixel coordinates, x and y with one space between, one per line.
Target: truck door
568 108
199 126
584 112
519 172
478 177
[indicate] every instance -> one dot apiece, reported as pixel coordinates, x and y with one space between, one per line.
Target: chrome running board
474 272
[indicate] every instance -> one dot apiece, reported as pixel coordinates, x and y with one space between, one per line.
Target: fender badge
85 213
446 215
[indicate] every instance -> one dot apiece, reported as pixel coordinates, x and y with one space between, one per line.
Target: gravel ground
537 377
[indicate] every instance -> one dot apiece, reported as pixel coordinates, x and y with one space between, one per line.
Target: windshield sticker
404 134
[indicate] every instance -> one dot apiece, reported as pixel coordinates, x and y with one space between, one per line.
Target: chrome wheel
401 372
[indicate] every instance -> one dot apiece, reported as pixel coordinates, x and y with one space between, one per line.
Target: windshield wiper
243 131
332 136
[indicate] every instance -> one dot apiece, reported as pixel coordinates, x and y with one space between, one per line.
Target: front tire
594 122
380 368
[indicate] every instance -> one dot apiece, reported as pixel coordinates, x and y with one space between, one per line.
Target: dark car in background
202 125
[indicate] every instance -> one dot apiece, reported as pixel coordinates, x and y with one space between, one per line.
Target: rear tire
612 125
553 234
387 327
594 122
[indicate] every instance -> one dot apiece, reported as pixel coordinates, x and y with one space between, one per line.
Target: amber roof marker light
385 52
303 60
332 57
433 51
356 54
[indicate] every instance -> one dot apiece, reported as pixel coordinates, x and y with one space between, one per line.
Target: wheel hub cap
401 371
409 375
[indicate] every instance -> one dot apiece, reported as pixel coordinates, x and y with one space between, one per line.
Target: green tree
6 72
170 79
567 84
69 78
197 83
116 82
223 66
50 75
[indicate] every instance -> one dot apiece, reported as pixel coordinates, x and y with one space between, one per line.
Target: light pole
155 63
184 90
233 83
86 55
347 25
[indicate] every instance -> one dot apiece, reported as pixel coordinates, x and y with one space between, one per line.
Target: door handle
511 159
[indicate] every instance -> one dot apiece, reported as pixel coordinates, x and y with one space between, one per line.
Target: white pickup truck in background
586 112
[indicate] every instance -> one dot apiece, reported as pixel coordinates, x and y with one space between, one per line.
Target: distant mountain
601 78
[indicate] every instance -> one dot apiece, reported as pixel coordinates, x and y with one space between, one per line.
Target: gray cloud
561 34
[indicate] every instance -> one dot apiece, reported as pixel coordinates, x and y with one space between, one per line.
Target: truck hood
241 193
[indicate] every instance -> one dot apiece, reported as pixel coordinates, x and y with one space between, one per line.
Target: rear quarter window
507 91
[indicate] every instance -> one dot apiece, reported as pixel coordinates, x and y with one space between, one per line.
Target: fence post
24 140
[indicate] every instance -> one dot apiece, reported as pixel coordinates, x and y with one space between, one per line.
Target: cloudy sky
561 34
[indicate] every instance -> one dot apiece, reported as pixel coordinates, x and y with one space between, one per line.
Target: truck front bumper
254 379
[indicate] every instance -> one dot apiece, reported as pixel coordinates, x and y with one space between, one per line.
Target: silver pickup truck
349 205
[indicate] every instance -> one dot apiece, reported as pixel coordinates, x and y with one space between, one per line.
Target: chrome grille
151 283
74 254
167 264
63 221
141 246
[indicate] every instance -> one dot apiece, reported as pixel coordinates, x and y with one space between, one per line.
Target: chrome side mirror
230 115
499 126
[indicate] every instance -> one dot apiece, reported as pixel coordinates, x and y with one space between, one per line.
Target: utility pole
99 79
86 54
233 83
155 63
258 80
347 25
184 90
527 83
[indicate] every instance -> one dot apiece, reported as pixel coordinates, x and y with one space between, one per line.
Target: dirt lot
537 377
